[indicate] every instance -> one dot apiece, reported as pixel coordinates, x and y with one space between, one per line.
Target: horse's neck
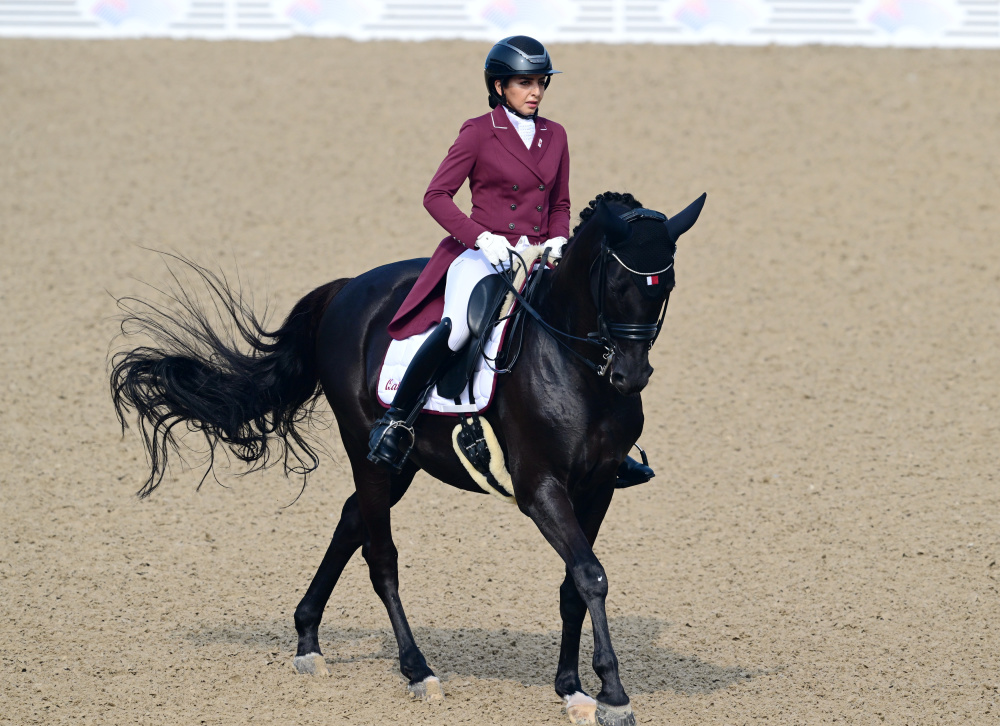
565 300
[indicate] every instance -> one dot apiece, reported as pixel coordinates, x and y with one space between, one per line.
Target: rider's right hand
495 247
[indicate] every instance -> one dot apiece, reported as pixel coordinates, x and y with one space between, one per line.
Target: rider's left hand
555 246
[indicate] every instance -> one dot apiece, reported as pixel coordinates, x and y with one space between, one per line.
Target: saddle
484 304
496 327
489 305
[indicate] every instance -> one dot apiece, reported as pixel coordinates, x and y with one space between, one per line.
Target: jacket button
514 187
538 208
536 228
513 206
511 225
541 187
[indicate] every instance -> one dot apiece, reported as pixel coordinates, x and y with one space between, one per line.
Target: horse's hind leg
347 538
374 495
349 535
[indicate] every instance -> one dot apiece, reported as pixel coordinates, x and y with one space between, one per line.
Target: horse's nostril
619 381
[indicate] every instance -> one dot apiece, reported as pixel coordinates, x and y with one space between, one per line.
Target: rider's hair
623 198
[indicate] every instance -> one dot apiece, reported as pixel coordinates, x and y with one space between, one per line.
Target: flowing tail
195 375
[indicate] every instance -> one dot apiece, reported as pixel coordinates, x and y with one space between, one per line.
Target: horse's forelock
616 201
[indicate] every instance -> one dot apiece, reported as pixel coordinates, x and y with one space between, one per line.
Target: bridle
607 333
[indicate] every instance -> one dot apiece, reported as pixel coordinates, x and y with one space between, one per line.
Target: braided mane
623 198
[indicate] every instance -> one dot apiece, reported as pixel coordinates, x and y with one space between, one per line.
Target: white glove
555 246
494 246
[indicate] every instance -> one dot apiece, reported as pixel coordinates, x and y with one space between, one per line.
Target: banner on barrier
909 23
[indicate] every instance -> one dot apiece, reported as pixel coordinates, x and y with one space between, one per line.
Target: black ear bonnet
648 252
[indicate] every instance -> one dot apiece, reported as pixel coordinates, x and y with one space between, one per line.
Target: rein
606 333
557 335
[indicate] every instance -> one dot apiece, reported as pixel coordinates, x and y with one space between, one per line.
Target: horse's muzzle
630 379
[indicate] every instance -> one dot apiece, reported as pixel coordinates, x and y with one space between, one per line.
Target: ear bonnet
648 252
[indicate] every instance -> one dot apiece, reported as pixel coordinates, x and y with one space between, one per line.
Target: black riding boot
631 472
392 437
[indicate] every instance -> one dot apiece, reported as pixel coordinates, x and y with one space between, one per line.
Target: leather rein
606 334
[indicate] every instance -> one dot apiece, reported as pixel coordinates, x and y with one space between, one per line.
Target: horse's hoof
615 715
311 664
581 708
428 690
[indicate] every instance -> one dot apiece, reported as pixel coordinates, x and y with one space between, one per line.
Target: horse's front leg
550 508
580 707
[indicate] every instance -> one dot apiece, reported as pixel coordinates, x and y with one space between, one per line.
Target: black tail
195 374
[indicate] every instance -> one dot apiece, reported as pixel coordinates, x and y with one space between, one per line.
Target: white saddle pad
398 357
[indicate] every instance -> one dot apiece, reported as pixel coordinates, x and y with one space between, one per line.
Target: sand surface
821 543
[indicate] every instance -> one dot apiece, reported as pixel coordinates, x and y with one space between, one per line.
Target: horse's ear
615 228
683 221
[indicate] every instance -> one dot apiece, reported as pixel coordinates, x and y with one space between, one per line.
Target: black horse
584 360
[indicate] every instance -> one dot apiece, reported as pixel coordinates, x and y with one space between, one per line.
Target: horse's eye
617 287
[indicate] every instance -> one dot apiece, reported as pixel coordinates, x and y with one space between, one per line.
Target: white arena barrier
902 23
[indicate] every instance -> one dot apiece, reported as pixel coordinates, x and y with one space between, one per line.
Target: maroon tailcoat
515 191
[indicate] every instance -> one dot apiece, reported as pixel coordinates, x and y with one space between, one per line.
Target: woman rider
517 166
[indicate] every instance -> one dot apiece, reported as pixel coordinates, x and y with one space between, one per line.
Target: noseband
606 333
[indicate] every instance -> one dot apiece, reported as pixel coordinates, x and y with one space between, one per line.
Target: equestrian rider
517 166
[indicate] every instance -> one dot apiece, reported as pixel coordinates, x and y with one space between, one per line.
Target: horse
584 360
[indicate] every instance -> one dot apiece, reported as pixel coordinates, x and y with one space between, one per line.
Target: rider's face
524 93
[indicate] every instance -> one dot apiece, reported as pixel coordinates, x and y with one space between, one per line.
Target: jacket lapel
540 144
511 140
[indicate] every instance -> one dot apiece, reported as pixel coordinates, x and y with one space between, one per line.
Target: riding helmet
517 55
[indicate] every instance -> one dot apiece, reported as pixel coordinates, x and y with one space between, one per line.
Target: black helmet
517 55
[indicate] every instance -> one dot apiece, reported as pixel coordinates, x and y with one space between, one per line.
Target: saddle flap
456 376
486 298
484 302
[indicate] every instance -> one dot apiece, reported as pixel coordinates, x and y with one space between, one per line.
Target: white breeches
468 268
